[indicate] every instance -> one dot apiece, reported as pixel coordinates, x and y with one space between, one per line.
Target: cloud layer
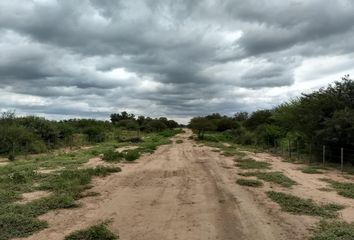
179 58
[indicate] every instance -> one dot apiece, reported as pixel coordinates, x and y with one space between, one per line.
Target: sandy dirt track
182 191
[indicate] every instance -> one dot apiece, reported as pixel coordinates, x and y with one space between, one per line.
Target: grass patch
276 177
334 230
300 206
17 225
249 182
311 170
343 189
179 141
95 232
252 164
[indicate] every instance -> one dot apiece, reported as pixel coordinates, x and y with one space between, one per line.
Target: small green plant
249 163
249 182
300 206
132 155
334 230
344 189
95 232
112 156
311 170
179 141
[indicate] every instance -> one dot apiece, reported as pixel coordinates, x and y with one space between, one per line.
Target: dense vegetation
324 117
30 134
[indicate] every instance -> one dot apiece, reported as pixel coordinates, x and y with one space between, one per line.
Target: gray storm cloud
175 58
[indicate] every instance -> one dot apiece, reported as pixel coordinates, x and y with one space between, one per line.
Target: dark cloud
177 58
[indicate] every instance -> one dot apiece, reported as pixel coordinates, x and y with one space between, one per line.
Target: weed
99 231
276 177
300 206
249 182
311 170
252 164
334 230
343 189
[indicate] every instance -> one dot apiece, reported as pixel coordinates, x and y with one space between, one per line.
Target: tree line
323 117
32 134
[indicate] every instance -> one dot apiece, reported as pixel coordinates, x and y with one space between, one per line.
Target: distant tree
201 125
258 118
241 116
226 124
116 117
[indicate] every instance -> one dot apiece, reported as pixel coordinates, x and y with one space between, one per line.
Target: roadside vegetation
343 189
249 182
311 170
273 177
249 163
334 230
303 126
297 205
61 173
95 232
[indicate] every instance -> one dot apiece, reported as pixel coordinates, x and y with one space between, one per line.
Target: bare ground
184 191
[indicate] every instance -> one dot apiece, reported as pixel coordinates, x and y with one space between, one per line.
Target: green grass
299 206
249 182
252 164
343 189
96 232
273 177
311 170
334 230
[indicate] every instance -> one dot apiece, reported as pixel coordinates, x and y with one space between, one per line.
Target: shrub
112 156
132 155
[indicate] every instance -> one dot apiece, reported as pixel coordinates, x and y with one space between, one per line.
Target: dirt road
182 191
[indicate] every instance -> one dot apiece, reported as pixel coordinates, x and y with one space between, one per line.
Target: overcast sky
177 58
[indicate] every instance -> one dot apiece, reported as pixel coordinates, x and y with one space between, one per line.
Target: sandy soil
125 148
30 196
182 191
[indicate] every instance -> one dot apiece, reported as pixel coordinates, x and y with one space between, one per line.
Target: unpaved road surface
182 191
